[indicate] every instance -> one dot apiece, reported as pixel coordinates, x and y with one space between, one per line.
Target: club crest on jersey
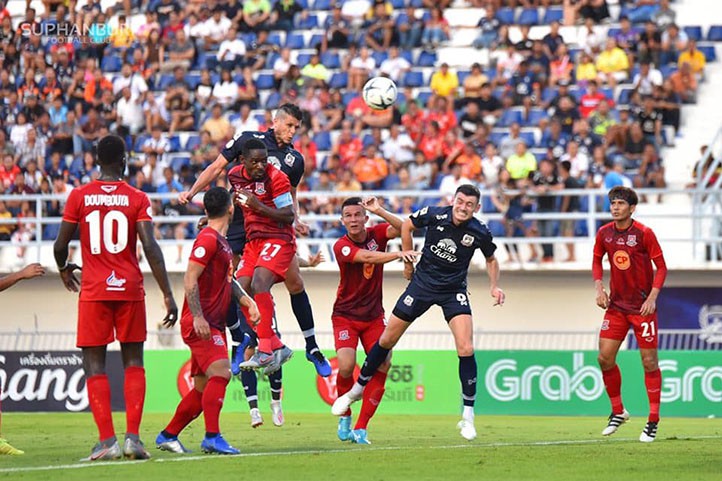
605 325
218 341
108 188
467 240
289 159
632 240
260 188
372 245
408 300
343 335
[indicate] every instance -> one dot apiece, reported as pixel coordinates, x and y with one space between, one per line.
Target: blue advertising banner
686 309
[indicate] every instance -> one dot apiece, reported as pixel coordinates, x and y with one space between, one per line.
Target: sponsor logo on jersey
114 283
467 240
408 300
440 228
260 188
620 241
259 136
608 240
115 200
632 240
108 188
622 260
343 335
199 252
441 216
289 160
445 249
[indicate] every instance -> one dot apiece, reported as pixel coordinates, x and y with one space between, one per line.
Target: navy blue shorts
237 243
415 301
234 313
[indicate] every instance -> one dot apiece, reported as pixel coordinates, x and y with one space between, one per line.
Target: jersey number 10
114 222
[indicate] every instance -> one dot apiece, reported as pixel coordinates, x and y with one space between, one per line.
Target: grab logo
695 380
504 382
327 385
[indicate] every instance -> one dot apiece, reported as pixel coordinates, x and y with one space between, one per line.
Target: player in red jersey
358 313
631 248
264 194
27 272
209 285
111 215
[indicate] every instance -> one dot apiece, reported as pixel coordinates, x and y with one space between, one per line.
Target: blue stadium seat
303 59
271 59
111 63
310 22
174 142
193 142
423 97
316 40
380 57
613 32
528 138
694 32
535 116
295 41
211 61
505 15
709 52
193 79
348 96
426 59
398 4
322 140
323 4
249 38
508 117
330 60
528 16
367 140
338 80
715 33
548 94
624 95
275 38
273 100
461 75
413 79
265 81
417 3
667 70
177 162
139 141
165 81
408 55
553 15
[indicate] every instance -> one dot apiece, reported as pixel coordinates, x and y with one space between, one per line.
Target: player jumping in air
281 154
452 237
631 248
111 215
358 313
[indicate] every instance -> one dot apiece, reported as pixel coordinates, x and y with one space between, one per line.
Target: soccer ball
379 93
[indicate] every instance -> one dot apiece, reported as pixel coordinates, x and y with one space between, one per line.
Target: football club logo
408 300
218 341
289 160
343 335
632 240
345 250
605 325
710 323
621 260
372 245
467 240
260 188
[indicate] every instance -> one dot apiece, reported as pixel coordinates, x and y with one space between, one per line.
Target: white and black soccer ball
379 93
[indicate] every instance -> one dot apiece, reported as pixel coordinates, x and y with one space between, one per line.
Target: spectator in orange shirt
347 146
469 161
431 143
371 169
442 112
684 83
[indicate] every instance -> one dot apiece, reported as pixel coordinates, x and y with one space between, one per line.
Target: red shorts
616 325
346 333
204 352
101 322
274 254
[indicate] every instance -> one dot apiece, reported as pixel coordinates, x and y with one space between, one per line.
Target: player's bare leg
134 392
99 399
304 316
653 383
607 359
462 327
376 356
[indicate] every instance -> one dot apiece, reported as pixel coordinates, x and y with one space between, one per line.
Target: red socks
653 382
267 339
212 402
373 393
188 409
613 382
344 385
134 390
99 399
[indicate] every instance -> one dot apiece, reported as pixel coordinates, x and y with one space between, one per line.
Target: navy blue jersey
288 159
448 248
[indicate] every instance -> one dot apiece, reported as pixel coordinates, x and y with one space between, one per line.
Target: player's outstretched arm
157 265
27 272
364 256
312 261
193 297
372 205
208 175
247 301
492 269
407 244
60 252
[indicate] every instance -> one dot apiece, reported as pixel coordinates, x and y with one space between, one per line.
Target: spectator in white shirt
129 79
232 51
450 183
225 92
647 79
395 66
246 122
362 67
156 143
398 148
217 27
130 113
579 161
281 66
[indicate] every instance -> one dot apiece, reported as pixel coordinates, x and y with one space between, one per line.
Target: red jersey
107 214
274 192
630 253
211 250
359 278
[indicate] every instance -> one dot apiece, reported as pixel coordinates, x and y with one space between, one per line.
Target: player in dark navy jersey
452 237
281 154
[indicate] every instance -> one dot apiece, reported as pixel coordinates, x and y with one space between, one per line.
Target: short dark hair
624 193
469 189
216 202
110 150
350 201
252 144
290 109
565 165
